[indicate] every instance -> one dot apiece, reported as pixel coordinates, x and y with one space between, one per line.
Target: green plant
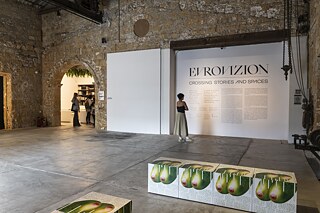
78 72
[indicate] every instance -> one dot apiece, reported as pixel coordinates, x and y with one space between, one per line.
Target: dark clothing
75 109
76 119
88 118
94 119
181 109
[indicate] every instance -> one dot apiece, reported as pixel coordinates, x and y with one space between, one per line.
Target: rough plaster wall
314 58
69 40
20 57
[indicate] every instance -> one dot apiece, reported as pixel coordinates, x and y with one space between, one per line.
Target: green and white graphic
233 187
97 203
196 181
233 181
164 171
274 190
163 176
196 176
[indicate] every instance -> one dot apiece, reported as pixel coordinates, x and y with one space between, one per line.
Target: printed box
163 176
232 187
274 191
195 181
97 203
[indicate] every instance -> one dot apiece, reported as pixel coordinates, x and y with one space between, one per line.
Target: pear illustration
285 177
104 208
196 166
222 183
281 192
272 176
231 170
243 172
262 190
186 178
155 173
175 163
266 176
88 207
75 207
162 162
200 179
168 174
206 167
238 185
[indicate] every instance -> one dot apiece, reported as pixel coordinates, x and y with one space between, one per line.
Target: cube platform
195 181
97 203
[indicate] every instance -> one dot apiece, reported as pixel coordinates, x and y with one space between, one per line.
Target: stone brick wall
20 60
314 59
69 40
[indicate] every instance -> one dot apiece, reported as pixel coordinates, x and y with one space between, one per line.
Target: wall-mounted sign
297 97
101 95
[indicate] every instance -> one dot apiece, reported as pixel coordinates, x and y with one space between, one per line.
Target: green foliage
78 72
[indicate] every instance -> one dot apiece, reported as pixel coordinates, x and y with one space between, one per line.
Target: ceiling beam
231 40
78 10
49 10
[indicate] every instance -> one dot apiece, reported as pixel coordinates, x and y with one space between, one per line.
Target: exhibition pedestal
237 187
163 176
97 203
195 181
274 191
233 187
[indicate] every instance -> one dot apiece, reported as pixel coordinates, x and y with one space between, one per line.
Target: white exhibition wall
133 91
237 91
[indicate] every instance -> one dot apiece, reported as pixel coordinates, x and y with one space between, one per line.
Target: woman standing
75 108
181 126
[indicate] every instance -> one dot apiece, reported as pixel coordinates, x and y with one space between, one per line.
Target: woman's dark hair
180 96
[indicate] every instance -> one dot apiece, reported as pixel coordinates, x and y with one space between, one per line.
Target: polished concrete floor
42 169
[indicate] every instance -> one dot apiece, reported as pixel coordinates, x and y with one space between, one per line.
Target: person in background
75 108
181 126
93 112
87 105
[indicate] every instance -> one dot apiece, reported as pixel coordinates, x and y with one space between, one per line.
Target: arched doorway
52 90
5 101
78 80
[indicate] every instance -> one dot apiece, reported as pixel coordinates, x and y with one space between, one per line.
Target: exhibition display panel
235 91
163 176
237 187
195 181
274 191
97 203
233 187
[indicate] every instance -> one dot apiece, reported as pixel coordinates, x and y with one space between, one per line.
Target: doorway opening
79 80
5 101
2 103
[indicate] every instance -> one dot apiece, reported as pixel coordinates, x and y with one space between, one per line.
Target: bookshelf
84 90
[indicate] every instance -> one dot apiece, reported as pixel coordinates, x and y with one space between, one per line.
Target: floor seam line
50 172
250 142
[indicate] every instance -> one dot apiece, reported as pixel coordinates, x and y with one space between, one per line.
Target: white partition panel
235 91
133 91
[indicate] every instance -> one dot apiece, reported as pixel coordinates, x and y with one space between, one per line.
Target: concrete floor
42 169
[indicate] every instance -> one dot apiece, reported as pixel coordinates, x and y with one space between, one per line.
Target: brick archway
52 91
